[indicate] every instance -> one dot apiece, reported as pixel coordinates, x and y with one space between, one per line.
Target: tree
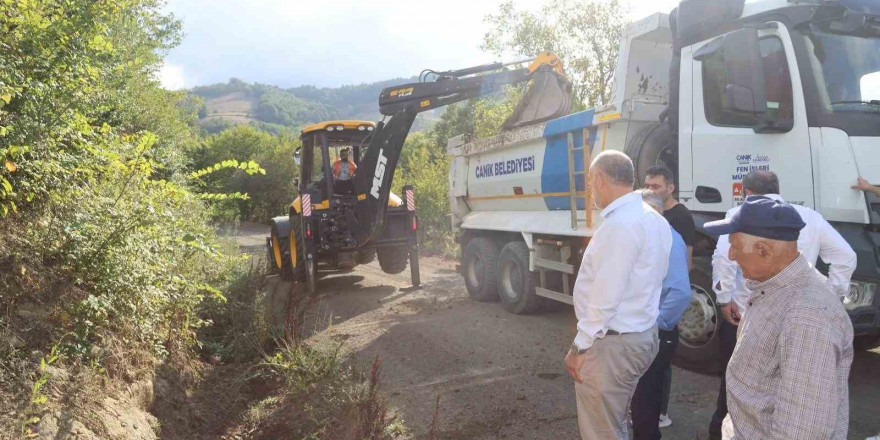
268 194
94 187
584 33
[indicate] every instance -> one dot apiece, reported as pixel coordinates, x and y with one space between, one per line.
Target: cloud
171 76
333 43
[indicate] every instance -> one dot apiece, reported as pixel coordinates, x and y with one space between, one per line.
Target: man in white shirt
616 300
817 239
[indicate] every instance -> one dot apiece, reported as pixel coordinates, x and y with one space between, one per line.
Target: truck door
727 145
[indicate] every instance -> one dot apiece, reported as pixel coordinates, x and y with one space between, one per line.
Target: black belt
612 333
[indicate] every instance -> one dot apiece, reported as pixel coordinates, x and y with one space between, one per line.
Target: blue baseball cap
762 217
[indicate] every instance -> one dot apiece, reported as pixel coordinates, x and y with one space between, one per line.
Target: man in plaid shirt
787 378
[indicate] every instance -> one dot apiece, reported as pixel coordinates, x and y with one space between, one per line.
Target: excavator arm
549 85
549 96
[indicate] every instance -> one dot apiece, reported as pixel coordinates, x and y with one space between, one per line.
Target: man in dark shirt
662 183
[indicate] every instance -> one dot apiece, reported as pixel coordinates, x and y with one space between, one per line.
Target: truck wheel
479 260
295 267
393 260
866 342
516 284
366 255
698 348
654 145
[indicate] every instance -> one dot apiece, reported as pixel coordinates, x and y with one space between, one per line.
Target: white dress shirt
817 239
619 282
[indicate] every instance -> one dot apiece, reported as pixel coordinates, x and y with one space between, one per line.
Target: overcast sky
328 44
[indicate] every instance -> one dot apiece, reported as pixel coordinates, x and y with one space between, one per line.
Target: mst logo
380 173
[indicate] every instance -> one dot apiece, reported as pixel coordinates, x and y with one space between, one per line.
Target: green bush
422 166
108 235
322 397
237 330
269 194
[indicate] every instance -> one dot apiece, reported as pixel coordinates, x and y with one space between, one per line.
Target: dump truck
712 91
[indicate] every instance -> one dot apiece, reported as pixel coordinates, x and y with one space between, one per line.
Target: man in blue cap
788 374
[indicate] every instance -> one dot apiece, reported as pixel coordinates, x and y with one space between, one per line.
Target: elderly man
616 299
674 299
787 377
817 239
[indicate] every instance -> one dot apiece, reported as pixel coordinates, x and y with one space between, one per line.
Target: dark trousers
667 387
646 401
727 340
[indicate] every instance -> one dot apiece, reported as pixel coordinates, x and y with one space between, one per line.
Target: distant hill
270 107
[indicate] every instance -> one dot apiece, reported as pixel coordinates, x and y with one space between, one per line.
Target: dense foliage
269 194
105 238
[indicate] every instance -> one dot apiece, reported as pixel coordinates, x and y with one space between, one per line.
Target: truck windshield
846 69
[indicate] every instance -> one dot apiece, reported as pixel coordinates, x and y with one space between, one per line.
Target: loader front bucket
548 97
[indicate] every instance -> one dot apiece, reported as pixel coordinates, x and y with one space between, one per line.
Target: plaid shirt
787 378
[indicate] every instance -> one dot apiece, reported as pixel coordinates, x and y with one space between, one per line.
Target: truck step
554 265
554 295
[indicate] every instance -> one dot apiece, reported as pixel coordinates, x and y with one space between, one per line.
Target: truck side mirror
297 156
745 86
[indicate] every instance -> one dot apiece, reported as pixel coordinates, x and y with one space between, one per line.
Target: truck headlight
861 294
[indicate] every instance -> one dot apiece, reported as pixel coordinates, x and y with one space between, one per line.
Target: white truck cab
739 85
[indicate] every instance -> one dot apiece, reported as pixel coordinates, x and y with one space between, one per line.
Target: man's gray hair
749 242
761 182
652 199
617 166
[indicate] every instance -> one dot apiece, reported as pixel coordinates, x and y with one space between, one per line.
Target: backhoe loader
343 223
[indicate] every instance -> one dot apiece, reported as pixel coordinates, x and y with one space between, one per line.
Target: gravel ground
497 375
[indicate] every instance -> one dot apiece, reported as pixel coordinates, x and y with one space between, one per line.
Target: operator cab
330 155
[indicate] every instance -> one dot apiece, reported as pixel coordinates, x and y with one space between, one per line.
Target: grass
319 395
263 384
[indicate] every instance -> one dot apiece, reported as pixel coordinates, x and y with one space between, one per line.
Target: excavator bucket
548 97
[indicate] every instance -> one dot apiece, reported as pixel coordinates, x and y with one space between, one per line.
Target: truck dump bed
531 179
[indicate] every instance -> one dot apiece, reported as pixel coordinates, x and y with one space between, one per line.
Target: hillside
270 108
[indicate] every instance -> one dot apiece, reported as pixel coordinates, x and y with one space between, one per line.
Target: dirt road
498 375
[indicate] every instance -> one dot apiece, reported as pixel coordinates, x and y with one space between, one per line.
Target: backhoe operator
343 169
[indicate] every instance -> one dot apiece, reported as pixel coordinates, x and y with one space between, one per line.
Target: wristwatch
577 350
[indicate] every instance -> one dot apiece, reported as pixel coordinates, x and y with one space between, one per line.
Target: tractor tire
699 347
296 268
654 145
866 342
393 260
271 265
479 261
366 255
280 232
516 284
